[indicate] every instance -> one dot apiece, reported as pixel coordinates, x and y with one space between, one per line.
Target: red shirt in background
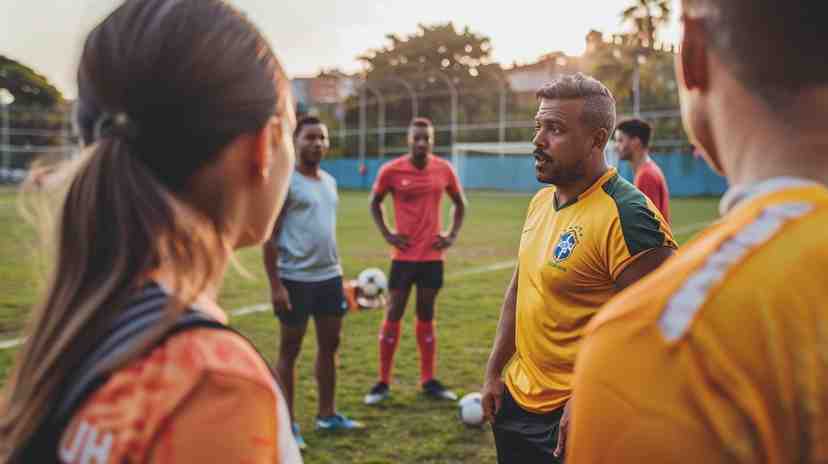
418 194
650 180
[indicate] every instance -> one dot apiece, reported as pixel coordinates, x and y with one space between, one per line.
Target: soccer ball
471 409
372 282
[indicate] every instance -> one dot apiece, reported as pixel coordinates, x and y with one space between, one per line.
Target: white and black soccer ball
372 282
470 409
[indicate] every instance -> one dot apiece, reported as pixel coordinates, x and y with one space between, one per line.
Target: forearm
271 261
379 219
457 219
504 344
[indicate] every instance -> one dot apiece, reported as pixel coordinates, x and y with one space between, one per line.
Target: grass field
408 428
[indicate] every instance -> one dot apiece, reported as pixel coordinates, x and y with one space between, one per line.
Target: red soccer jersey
418 194
650 180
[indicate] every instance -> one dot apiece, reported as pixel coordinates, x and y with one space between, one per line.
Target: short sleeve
383 182
228 419
635 231
453 182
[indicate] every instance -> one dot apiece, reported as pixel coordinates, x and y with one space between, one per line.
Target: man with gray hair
584 239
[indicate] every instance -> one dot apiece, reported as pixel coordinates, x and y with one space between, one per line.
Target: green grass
409 428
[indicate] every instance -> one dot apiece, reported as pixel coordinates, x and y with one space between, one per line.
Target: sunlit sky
312 34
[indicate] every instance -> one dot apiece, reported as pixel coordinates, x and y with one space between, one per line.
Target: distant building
526 79
328 88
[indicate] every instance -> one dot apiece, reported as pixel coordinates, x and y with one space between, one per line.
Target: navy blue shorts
317 299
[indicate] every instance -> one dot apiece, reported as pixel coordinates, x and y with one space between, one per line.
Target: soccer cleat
434 389
297 435
378 393
337 422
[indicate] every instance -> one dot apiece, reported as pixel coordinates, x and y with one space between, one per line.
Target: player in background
632 141
306 277
720 355
586 238
417 182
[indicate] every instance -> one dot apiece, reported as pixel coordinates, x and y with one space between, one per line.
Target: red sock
427 344
389 338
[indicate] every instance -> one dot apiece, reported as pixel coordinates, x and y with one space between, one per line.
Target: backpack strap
144 312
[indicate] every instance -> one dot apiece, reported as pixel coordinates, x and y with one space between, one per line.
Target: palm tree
647 17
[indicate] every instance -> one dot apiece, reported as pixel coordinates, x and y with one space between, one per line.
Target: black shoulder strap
142 313
124 336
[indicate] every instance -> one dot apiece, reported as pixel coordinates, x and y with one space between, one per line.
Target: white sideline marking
481 270
250 309
262 307
6 344
691 228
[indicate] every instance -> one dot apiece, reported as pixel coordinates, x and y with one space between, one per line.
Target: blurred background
368 67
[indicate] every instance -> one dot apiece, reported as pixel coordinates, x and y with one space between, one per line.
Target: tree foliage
647 18
613 61
426 60
28 87
464 56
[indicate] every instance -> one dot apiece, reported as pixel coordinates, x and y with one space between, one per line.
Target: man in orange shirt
417 182
632 140
720 355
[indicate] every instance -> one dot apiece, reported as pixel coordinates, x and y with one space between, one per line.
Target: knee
330 346
396 312
289 350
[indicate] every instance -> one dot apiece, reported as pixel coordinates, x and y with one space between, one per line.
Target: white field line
6 344
262 307
483 269
690 228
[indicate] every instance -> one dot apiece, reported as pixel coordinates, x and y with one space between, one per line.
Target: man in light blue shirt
305 275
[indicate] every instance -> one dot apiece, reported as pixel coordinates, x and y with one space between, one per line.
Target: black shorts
525 437
425 274
317 299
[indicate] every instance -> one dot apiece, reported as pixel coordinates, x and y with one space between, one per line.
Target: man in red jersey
417 182
632 140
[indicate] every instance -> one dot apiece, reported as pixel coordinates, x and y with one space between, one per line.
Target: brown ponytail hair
164 85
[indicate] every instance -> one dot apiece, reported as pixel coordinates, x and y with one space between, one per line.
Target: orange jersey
720 355
355 299
203 395
350 289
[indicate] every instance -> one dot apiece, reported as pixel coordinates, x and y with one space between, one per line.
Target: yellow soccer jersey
570 256
720 356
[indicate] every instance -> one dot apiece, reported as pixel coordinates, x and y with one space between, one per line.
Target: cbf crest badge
567 243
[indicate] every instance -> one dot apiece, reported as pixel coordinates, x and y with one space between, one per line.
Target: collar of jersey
410 159
740 193
601 181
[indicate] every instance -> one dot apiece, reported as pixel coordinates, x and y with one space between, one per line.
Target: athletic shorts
317 299
424 274
525 437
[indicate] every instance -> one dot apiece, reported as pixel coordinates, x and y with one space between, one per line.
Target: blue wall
686 174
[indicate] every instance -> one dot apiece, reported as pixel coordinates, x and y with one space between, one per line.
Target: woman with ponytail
185 115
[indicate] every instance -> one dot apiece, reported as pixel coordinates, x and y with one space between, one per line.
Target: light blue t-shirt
307 237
